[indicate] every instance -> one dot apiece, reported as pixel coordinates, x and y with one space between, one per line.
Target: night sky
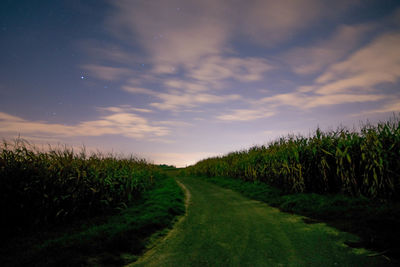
177 81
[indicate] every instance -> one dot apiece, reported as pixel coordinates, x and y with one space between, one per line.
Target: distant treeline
364 162
45 188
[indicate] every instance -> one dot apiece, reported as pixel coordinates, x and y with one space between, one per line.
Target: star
82 77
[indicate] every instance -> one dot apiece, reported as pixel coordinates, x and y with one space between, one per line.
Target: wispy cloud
175 100
312 59
188 49
118 122
302 101
307 101
167 29
138 90
112 53
191 59
188 86
269 22
377 63
392 106
219 68
8 117
174 123
124 109
246 114
107 73
352 80
188 46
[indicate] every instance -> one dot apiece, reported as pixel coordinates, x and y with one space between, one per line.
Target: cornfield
45 188
358 163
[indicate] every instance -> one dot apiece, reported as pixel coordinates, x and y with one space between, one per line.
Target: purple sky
178 81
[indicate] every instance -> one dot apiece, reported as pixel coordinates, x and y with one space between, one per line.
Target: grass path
223 228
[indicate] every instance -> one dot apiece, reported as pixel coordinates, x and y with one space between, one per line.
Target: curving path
223 228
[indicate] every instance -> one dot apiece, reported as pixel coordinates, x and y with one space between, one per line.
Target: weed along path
223 228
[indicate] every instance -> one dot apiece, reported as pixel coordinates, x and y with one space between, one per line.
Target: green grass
375 222
107 240
224 228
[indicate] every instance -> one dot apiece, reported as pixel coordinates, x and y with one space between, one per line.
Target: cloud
188 86
314 58
376 63
117 123
124 108
190 55
176 101
137 90
352 80
107 73
391 107
8 117
307 101
188 46
181 33
268 106
112 53
246 114
337 99
219 68
270 22
172 32
174 123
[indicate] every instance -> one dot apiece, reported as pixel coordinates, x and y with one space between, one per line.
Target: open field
67 208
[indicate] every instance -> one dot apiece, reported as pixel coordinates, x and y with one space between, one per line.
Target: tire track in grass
155 245
223 228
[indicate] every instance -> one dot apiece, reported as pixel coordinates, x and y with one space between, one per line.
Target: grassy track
223 228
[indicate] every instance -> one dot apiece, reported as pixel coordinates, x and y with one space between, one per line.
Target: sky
176 81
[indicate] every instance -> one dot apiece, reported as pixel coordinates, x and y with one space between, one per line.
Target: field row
39 188
358 163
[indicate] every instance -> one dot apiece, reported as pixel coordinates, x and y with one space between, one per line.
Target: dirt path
223 228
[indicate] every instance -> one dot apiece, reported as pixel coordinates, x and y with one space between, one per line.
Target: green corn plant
365 162
39 188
